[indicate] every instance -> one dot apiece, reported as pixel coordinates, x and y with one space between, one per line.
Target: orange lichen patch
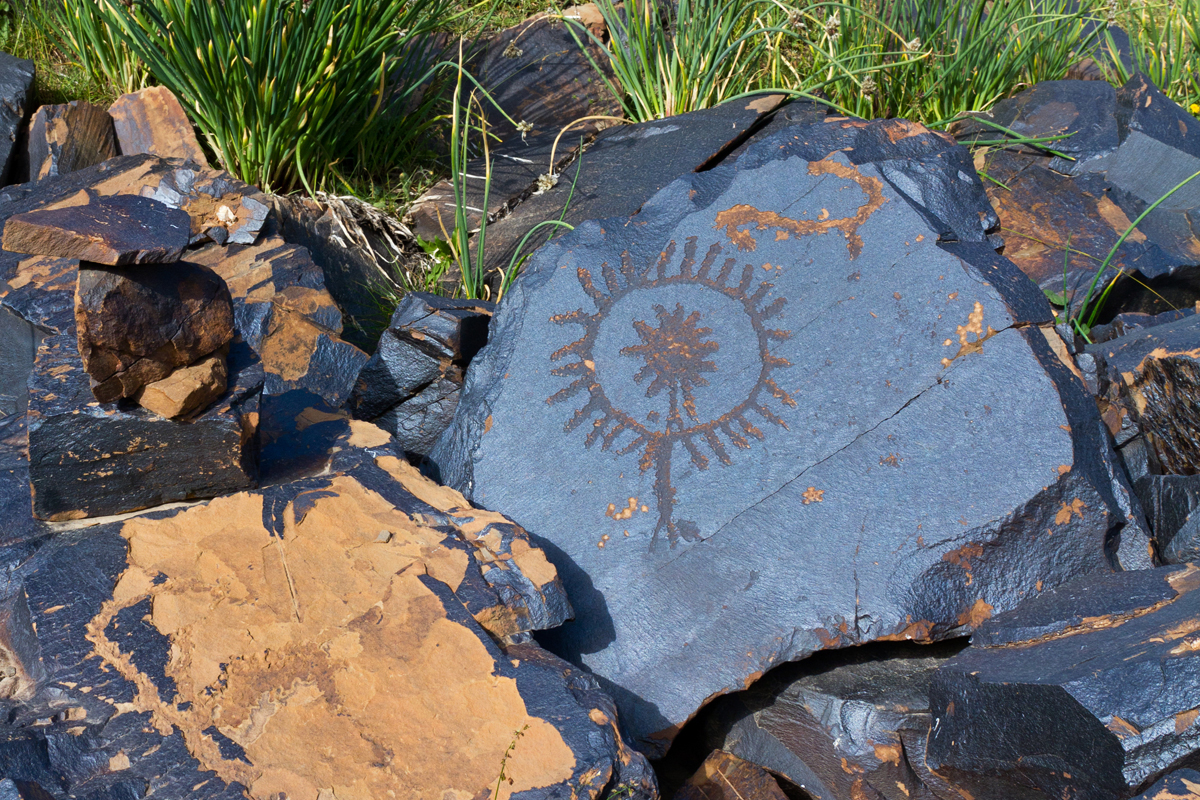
1063 516
813 495
315 416
900 129
1186 579
1122 728
765 103
962 556
912 631
622 513
366 435
979 613
740 216
40 271
888 753
1184 719
973 328
305 649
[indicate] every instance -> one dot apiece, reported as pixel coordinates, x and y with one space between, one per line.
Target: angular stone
282 309
1091 690
377 596
18 346
1182 784
89 459
152 121
19 523
429 339
186 390
726 777
116 231
1130 147
135 326
16 83
222 209
70 137
842 731
420 420
729 387
1149 383
1170 502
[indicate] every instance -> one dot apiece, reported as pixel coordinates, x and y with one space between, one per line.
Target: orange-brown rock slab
313 640
188 389
724 776
153 121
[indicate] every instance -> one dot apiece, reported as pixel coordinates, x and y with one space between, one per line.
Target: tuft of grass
289 93
1164 43
932 60
31 30
672 58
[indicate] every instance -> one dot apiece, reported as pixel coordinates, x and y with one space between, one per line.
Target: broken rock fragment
724 776
411 384
152 121
136 327
731 387
117 231
16 83
187 389
842 731
1090 691
69 137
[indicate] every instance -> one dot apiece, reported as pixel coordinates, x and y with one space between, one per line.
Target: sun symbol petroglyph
679 358
671 357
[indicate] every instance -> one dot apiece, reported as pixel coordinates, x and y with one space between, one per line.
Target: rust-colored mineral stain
1184 719
1063 516
734 219
288 347
1121 728
313 696
887 753
1111 213
974 327
813 495
979 613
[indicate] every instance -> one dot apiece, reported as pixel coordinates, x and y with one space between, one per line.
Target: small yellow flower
1195 109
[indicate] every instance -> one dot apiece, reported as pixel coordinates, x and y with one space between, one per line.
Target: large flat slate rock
1087 691
770 414
351 635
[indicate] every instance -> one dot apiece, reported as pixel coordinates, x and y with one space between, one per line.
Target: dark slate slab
1171 502
853 728
1084 112
410 386
1087 691
106 696
16 83
15 508
537 72
927 168
91 459
19 341
69 137
1182 784
116 230
1122 166
739 390
604 184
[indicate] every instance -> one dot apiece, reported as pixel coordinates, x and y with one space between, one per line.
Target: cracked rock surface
771 414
